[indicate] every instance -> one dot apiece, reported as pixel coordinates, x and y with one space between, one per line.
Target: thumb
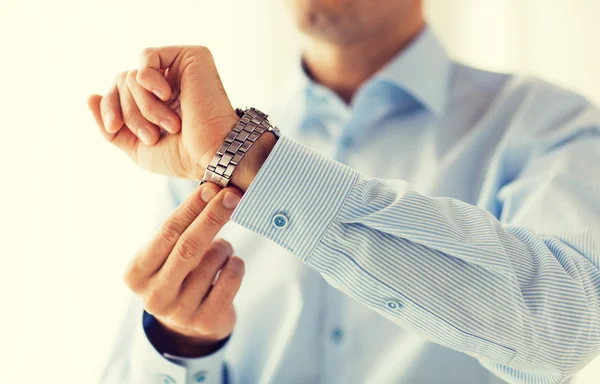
207 114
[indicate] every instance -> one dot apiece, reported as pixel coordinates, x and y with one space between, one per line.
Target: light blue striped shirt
443 228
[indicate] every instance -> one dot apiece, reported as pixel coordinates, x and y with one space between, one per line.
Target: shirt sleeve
520 291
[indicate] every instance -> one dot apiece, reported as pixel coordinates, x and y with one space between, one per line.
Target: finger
151 258
163 157
110 106
220 298
123 139
155 111
94 103
195 68
153 62
147 132
209 113
197 237
197 284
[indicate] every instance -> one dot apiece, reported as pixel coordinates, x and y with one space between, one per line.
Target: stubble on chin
329 26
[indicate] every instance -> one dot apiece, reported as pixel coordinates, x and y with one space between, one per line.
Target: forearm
502 293
451 271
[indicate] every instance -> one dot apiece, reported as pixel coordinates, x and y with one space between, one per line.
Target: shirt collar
422 70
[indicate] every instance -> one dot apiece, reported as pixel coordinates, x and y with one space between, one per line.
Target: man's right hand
175 273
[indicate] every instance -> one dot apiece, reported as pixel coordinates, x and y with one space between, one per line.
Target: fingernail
167 124
226 245
145 136
230 200
207 194
158 93
236 265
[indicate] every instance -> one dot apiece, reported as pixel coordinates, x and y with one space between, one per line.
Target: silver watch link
252 124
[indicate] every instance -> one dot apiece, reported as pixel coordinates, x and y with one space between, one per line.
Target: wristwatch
252 124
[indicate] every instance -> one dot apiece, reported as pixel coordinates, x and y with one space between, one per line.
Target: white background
74 210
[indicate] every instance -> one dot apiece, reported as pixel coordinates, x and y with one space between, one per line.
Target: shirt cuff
151 366
295 197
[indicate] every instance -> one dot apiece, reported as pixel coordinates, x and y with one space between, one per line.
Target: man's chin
326 27
323 19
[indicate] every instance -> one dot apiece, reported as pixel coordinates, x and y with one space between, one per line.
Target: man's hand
175 273
184 79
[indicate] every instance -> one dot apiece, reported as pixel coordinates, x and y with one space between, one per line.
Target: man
425 222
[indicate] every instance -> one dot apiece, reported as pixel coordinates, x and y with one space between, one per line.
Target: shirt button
337 335
393 304
347 142
200 377
165 379
280 220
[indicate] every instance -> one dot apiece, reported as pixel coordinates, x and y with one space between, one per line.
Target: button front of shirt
347 142
337 335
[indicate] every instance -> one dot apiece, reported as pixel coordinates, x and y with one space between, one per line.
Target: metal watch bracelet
252 124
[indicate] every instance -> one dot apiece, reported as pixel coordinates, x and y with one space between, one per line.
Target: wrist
220 135
251 163
236 157
183 343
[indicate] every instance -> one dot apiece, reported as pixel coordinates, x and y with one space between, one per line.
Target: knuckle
120 78
190 211
129 115
154 302
145 109
189 249
142 75
233 272
147 52
130 277
131 78
214 220
135 275
202 51
224 245
131 75
170 231
214 257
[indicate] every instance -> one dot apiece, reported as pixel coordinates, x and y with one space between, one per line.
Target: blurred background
74 210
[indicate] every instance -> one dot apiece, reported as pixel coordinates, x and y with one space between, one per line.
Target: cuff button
280 221
393 304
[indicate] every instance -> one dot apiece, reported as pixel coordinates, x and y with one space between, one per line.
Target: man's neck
343 68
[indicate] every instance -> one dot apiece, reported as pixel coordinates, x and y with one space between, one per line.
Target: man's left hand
186 80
